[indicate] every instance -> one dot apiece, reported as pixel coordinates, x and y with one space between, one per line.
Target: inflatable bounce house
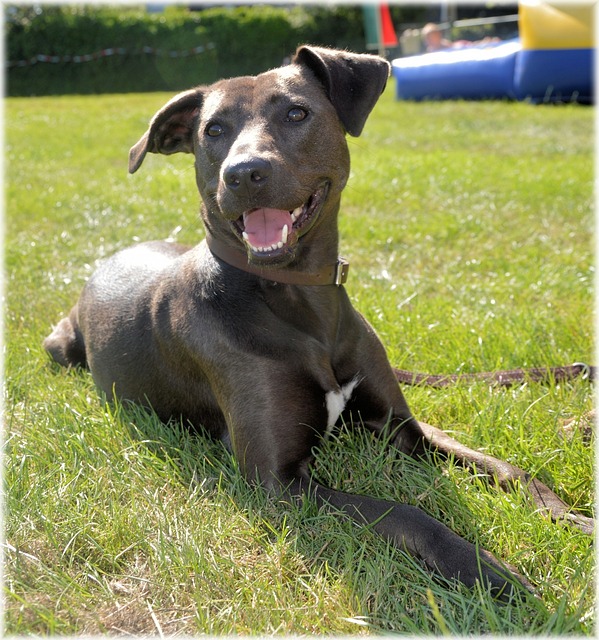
551 61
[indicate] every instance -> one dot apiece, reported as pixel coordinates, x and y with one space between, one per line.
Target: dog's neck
334 274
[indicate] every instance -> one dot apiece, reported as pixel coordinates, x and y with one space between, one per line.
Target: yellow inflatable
556 25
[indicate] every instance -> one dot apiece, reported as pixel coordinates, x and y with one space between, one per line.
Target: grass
469 228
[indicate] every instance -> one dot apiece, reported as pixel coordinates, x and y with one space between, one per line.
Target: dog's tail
65 344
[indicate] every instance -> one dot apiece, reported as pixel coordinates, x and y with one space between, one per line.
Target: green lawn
469 227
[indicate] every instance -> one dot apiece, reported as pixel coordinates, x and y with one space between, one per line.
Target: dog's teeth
272 247
245 236
284 237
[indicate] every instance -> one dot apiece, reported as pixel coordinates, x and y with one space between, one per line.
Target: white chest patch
336 401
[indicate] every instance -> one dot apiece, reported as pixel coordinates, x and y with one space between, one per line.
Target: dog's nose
251 174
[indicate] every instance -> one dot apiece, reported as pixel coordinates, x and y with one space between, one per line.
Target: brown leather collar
333 274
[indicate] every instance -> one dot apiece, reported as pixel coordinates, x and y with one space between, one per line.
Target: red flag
388 35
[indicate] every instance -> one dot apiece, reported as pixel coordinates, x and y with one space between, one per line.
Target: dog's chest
337 400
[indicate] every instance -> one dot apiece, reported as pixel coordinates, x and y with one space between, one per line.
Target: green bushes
235 41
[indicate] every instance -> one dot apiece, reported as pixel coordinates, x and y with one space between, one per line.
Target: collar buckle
341 271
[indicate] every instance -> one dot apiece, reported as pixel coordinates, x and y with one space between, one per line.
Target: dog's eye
297 114
214 130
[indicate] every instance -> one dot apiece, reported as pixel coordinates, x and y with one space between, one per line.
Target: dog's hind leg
506 475
65 344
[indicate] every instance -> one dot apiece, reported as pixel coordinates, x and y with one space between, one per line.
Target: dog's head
270 153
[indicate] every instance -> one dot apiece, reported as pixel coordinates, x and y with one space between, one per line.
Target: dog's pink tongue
264 227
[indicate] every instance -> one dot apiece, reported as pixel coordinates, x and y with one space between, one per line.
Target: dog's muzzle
269 232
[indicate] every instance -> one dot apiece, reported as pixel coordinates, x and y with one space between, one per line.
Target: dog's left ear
170 129
353 81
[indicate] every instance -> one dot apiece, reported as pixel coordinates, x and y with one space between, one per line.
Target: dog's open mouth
269 232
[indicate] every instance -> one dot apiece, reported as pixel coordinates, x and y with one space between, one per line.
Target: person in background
434 40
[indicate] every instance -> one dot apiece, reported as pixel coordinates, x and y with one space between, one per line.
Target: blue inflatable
554 75
469 73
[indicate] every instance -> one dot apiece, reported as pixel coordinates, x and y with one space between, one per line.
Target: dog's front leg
415 437
412 530
506 475
273 434
382 406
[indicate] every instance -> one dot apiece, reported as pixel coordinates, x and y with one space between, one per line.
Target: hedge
236 41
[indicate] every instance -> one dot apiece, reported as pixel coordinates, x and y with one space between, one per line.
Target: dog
251 333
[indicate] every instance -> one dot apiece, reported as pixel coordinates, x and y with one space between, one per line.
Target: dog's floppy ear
353 81
170 130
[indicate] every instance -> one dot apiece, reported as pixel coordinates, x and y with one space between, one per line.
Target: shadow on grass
395 591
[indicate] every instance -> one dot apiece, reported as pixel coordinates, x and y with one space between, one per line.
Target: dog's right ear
170 130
